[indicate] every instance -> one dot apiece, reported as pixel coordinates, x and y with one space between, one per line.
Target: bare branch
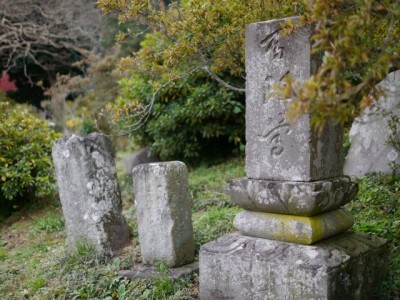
47 33
222 82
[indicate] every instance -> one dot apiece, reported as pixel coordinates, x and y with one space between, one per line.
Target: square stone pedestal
348 266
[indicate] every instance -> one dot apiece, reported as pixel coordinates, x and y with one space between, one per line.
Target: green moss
306 230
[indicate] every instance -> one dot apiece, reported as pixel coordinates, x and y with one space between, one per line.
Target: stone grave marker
292 196
369 151
164 213
89 192
164 218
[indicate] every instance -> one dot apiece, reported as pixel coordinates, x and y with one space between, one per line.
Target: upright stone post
89 192
292 195
164 213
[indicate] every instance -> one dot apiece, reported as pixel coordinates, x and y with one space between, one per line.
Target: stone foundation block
163 212
294 229
238 267
292 197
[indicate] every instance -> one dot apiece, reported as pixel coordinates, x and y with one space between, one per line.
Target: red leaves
5 83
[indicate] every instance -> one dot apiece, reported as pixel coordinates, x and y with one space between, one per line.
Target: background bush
25 164
191 120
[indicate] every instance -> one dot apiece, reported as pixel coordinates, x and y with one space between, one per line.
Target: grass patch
206 184
40 268
84 249
212 224
37 284
3 254
50 222
376 210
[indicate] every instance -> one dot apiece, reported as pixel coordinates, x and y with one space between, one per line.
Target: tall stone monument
292 196
89 192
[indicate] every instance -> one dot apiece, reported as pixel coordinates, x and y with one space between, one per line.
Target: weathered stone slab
152 272
89 192
369 151
291 197
163 212
277 148
294 229
238 267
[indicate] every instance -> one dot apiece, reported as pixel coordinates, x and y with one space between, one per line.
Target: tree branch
222 82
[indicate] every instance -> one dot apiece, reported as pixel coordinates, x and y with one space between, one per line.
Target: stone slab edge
143 271
291 197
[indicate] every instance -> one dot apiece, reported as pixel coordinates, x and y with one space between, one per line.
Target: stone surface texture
152 272
369 151
163 212
291 197
89 192
294 229
140 157
277 148
238 267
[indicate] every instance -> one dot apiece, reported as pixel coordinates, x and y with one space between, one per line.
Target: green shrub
25 164
194 119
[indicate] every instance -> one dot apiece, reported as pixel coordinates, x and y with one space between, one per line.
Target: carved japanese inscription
275 136
269 84
270 44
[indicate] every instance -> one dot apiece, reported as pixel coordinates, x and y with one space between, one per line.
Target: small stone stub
163 212
239 267
89 192
292 197
294 229
278 148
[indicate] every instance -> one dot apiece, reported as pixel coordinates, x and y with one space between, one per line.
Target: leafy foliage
358 41
359 44
25 163
195 34
190 119
168 99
